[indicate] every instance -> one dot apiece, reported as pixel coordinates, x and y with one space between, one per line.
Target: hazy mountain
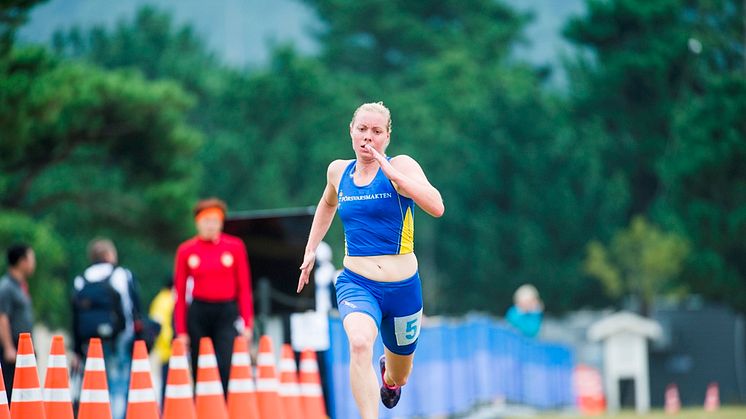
238 30
241 30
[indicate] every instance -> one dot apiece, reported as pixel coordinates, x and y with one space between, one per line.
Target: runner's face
370 128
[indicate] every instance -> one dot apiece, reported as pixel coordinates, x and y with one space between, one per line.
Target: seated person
526 313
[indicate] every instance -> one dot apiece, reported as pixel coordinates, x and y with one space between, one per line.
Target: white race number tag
407 328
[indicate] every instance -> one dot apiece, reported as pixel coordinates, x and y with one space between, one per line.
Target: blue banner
459 364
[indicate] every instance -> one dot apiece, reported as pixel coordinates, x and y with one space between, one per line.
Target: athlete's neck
366 166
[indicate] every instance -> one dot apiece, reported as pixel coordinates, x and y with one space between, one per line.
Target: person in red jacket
220 304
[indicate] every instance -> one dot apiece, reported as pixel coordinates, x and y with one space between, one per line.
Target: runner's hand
305 269
184 338
368 149
10 355
248 334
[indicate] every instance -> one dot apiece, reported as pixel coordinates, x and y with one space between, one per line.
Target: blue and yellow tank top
377 220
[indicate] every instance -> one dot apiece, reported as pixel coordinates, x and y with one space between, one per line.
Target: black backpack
97 308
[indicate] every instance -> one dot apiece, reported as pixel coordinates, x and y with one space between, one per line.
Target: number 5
411 329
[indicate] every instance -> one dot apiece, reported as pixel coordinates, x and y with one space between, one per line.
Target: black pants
9 369
216 321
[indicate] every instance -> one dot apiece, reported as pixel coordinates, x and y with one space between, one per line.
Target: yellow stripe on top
407 234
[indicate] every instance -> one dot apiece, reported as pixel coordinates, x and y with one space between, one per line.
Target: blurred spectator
162 310
222 301
526 312
105 305
16 315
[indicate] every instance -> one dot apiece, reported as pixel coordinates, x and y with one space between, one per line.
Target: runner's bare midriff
383 268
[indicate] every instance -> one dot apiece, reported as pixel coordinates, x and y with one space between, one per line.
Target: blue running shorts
396 307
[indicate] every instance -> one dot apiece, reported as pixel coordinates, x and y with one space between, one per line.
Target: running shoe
389 395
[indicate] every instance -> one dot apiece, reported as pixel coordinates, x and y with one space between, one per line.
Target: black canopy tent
275 241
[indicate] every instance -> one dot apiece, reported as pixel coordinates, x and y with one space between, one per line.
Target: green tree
635 73
641 260
705 183
93 152
375 37
13 14
249 117
663 79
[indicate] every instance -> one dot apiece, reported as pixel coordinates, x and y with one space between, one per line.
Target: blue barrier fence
460 364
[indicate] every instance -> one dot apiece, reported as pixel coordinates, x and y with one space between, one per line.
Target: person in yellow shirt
162 310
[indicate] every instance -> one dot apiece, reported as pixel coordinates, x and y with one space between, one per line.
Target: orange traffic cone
673 403
589 390
56 394
141 402
289 389
210 398
241 388
712 397
26 401
94 394
311 394
4 412
268 398
178 403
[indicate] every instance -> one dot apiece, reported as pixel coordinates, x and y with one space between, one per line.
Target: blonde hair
526 293
374 107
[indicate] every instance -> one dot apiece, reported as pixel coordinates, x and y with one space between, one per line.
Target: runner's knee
360 344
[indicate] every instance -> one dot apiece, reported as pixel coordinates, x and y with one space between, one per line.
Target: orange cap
211 211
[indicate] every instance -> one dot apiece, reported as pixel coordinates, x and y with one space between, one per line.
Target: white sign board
309 330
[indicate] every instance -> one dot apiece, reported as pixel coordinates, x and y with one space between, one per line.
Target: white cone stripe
26 395
307 390
3 397
245 385
95 364
240 359
207 361
56 395
140 365
178 362
179 391
289 390
309 365
57 361
23 361
287 365
142 395
209 388
93 396
265 360
266 384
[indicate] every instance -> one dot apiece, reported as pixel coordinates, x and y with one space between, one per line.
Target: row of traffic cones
268 398
673 402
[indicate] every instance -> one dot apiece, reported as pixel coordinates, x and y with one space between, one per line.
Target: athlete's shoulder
187 244
336 168
338 165
231 239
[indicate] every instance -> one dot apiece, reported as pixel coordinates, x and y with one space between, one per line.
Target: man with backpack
105 305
